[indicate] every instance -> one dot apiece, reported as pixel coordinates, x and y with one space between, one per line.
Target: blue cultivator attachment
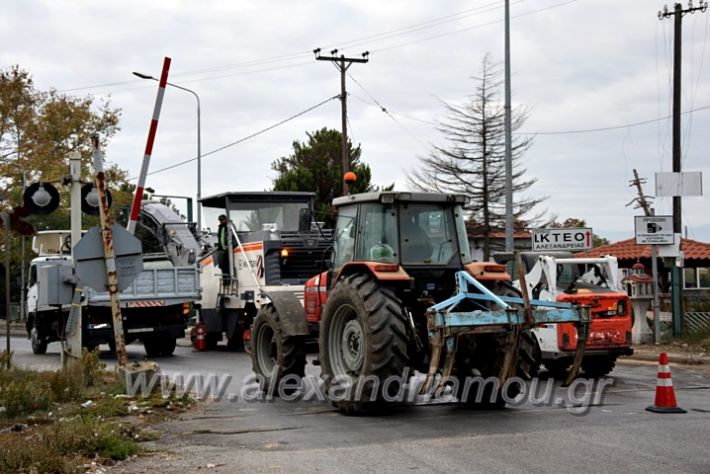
471 313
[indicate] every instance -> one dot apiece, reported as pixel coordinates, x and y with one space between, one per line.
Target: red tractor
384 308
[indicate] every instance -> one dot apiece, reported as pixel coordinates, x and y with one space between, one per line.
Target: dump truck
384 308
276 245
155 307
594 282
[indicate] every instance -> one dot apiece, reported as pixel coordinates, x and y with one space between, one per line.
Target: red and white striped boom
138 196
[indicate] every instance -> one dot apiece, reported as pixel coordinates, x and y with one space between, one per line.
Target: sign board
578 238
679 184
654 230
90 264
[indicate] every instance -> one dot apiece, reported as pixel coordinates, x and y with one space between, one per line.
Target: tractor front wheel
273 354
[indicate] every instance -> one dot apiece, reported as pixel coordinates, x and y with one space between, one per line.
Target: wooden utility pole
677 13
343 64
642 202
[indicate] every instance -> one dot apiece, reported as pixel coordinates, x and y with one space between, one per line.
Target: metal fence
697 322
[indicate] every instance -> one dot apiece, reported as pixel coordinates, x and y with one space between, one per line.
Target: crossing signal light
90 199
41 198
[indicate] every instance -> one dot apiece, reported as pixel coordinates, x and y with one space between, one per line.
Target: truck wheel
39 344
363 340
167 346
152 347
558 367
155 347
598 366
274 355
211 340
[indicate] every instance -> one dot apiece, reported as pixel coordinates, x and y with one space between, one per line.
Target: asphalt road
616 434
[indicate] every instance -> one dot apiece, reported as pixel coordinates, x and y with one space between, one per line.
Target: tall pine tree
472 162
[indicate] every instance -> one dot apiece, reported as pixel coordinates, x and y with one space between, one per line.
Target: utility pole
643 203
677 13
343 64
509 239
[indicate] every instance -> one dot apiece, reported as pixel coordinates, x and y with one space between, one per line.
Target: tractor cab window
344 244
427 234
377 234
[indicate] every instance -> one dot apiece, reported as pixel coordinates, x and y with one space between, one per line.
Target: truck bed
159 282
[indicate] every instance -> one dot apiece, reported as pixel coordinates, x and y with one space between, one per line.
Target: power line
199 79
615 127
461 30
241 140
384 109
351 43
559 132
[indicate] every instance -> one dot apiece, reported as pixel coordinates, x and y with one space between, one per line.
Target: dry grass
60 421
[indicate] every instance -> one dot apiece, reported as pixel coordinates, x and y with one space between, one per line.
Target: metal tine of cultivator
511 349
445 324
436 341
582 335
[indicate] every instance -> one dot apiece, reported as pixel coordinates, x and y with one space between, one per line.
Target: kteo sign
579 238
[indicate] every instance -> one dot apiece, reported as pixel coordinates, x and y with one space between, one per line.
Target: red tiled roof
628 250
501 235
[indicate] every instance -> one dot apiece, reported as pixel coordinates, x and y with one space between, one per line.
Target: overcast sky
578 65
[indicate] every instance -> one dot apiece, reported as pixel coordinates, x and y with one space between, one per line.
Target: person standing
223 247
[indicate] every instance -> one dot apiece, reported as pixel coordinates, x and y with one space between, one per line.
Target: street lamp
199 149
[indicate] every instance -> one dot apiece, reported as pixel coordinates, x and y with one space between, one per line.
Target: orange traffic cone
200 343
665 396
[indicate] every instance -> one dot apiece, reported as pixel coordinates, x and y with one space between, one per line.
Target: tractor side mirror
304 220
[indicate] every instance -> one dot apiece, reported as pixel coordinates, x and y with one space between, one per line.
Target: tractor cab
411 230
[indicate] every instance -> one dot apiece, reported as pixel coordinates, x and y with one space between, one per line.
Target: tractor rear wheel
273 354
529 354
484 355
363 342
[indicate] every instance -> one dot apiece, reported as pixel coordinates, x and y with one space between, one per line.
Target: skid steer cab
384 310
593 282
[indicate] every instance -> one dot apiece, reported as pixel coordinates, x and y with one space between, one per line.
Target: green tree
473 160
572 222
38 131
315 165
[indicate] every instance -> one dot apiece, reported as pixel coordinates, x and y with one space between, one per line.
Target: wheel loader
403 296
